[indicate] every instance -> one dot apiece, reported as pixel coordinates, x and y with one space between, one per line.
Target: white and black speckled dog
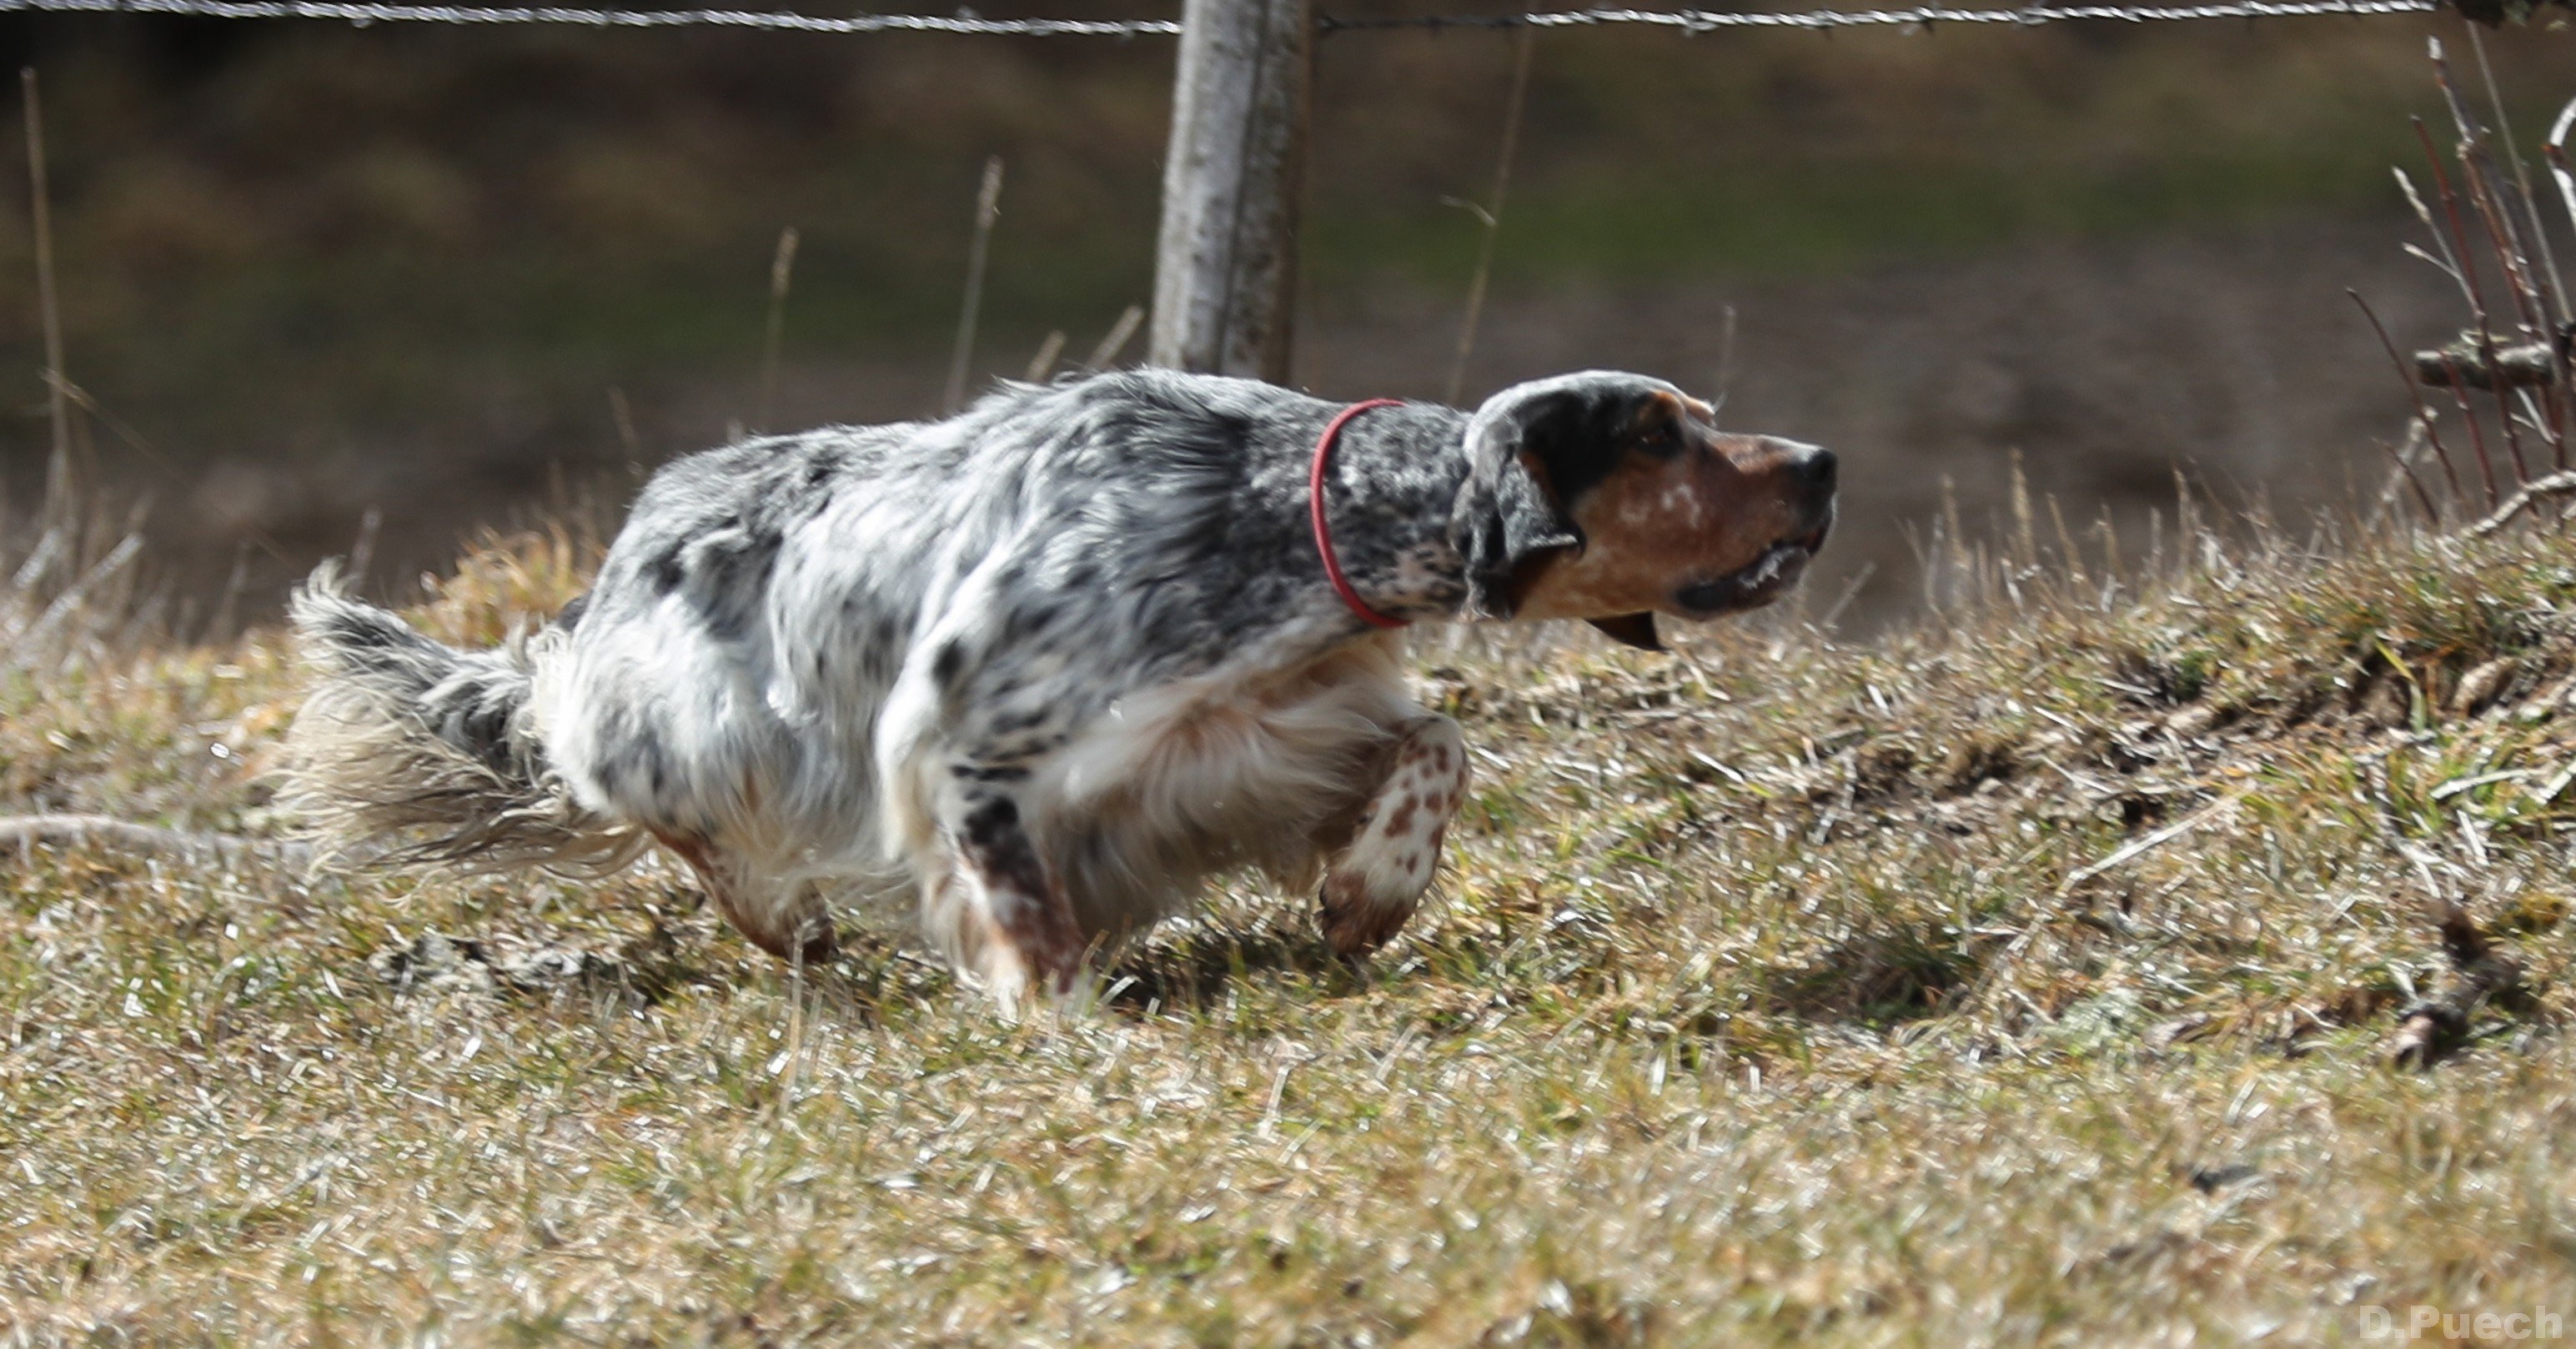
1050 663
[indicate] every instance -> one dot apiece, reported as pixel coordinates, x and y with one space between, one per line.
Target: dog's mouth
1757 583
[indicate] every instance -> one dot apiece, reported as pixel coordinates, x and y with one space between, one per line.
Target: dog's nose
1817 465
1812 465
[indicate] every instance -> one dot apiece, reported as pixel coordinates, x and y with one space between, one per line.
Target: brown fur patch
1371 888
1656 524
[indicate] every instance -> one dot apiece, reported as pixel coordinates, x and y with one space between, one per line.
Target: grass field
2030 979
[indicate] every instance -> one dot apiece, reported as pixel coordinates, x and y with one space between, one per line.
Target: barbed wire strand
1704 20
364 13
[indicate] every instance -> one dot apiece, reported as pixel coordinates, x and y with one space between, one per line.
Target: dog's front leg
1008 919
1372 884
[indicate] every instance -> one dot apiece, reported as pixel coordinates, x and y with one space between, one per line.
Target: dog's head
1613 497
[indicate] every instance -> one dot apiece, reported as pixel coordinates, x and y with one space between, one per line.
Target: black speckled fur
870 653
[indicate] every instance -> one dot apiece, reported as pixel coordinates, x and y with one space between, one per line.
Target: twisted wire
1705 20
368 12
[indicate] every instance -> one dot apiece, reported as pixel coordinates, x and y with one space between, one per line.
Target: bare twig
2432 1030
1725 356
24 644
2476 295
2423 416
2152 841
58 469
19 833
2025 534
782 272
2530 365
1042 364
1851 589
2456 245
2554 307
2399 476
362 554
2477 434
795 1030
2478 165
622 414
988 208
2556 149
2556 283
2071 557
1492 214
2539 489
2522 279
1116 339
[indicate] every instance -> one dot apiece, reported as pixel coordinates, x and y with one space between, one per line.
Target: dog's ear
1508 511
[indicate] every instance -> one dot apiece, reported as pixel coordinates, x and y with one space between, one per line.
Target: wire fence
363 13
1707 20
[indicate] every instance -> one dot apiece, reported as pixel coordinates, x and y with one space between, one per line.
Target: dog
1044 667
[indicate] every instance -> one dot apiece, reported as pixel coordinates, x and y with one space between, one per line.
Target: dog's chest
1229 758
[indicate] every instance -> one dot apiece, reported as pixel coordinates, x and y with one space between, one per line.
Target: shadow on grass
1885 975
1194 966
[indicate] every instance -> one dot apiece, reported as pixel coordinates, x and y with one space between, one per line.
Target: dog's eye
1660 442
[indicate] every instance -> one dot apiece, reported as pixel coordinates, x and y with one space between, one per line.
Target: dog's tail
409 752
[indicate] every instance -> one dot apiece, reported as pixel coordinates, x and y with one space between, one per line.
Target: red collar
1323 531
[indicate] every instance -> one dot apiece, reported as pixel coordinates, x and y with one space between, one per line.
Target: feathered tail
409 752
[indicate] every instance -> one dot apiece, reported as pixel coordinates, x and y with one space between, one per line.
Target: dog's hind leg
1372 883
998 911
786 918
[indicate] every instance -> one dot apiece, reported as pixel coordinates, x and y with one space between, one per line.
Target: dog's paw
1354 925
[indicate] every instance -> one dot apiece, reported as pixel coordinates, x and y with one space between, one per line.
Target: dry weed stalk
75 591
1491 216
782 275
1116 339
2515 347
1042 361
979 248
58 467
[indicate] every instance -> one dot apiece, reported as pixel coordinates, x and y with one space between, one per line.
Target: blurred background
463 278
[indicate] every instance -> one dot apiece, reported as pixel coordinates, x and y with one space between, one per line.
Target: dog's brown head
1613 497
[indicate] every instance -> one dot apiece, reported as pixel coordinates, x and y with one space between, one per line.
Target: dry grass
1781 993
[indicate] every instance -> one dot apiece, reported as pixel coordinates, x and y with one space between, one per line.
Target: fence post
1225 270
